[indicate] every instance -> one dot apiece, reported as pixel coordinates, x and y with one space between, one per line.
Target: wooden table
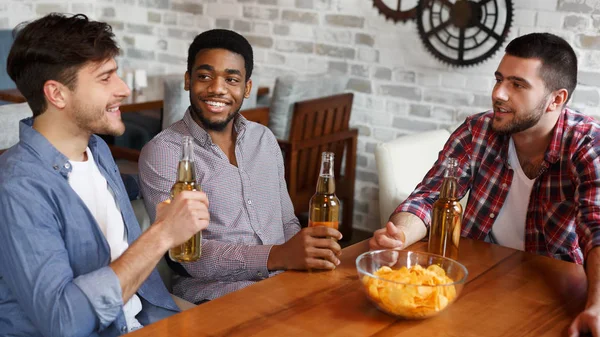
150 98
508 293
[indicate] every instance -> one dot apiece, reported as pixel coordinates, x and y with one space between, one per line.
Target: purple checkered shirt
563 220
250 208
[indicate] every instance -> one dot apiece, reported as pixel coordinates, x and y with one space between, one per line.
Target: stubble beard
522 123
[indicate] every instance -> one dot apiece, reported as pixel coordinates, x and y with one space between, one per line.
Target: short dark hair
55 47
222 39
559 61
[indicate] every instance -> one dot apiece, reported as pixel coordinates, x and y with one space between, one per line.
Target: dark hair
559 61
222 39
55 47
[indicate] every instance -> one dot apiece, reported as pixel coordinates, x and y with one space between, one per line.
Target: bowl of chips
408 284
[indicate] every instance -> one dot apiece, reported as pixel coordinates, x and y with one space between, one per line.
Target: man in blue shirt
72 259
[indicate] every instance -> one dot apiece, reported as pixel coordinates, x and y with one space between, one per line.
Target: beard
208 124
523 122
93 119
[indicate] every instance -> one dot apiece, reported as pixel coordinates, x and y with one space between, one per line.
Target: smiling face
94 103
217 87
519 97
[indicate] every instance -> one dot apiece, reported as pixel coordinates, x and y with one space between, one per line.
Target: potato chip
418 293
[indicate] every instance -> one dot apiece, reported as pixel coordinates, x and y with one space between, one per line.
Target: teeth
217 104
113 109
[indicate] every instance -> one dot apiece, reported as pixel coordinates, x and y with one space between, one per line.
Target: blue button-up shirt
54 273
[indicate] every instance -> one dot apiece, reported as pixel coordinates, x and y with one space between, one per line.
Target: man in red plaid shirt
532 167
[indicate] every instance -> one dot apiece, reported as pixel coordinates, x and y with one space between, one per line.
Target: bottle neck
326 182
185 171
449 186
450 183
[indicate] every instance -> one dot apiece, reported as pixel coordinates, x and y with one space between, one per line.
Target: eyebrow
513 78
211 68
108 71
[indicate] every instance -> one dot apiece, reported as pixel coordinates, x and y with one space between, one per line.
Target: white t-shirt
509 227
93 189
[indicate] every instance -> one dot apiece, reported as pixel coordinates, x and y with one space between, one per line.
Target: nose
217 86
499 93
122 90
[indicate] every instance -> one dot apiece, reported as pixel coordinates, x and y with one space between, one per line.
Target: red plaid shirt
563 220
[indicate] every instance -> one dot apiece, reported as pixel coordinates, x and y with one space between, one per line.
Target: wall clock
456 32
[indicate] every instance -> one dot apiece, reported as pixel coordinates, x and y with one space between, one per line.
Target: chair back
6 41
10 115
314 119
290 89
403 163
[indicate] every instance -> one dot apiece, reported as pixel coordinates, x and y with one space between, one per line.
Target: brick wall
399 87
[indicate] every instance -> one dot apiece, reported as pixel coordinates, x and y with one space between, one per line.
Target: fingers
382 240
320 264
394 232
322 231
574 328
328 244
193 196
320 258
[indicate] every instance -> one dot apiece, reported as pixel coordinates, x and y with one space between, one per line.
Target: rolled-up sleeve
40 274
420 201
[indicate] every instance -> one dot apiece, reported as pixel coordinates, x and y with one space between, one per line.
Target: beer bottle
186 181
444 232
324 206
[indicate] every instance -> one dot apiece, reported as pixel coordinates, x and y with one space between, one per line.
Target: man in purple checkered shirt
532 167
253 231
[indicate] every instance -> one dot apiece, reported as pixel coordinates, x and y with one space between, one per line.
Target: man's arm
586 162
589 319
410 221
40 275
291 225
35 266
401 231
175 223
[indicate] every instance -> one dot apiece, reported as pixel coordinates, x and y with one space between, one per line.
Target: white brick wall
399 87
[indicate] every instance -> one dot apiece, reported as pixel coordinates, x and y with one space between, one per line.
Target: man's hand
311 248
588 321
390 237
183 217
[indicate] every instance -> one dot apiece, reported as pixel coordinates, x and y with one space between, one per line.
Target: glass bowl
395 290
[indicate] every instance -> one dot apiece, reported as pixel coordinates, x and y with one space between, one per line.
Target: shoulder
580 124
260 132
474 126
19 163
166 144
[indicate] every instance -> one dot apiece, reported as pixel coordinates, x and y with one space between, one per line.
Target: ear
186 81
56 94
248 89
559 98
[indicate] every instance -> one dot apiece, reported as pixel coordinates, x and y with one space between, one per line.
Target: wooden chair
320 125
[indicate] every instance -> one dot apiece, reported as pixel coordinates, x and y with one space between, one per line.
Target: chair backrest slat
316 118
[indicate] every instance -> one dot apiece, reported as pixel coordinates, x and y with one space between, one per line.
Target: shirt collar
203 138
44 150
553 152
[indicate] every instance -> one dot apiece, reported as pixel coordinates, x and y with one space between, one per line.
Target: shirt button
249 202
124 329
55 167
504 185
260 274
492 215
67 165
